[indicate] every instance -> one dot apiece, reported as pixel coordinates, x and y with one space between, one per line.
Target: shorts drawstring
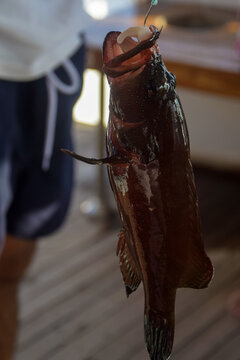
53 85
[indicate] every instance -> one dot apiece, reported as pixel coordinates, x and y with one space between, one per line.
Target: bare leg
14 261
233 303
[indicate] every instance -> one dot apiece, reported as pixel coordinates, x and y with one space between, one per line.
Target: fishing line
153 2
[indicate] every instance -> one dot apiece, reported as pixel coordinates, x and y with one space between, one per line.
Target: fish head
138 78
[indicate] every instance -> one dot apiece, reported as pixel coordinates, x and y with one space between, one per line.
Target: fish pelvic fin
158 337
129 270
92 161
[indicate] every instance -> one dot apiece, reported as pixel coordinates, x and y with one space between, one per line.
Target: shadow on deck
73 303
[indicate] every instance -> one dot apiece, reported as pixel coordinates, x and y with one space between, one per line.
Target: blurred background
73 300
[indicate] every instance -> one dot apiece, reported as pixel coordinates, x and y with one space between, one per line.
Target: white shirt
37 35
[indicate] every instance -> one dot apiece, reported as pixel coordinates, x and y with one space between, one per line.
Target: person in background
41 66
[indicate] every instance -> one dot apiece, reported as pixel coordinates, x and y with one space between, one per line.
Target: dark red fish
152 179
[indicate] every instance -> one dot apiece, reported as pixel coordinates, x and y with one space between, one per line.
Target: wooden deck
73 303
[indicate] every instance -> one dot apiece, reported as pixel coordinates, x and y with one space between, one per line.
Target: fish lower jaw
139 32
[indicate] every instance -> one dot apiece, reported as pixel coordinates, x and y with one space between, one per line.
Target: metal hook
153 2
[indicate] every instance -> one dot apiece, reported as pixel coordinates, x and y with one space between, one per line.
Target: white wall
214 128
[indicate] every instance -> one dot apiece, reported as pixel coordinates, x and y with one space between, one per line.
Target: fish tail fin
159 336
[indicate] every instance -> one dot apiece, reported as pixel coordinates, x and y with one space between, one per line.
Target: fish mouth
117 63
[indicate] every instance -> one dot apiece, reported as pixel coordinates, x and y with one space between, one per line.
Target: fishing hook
153 2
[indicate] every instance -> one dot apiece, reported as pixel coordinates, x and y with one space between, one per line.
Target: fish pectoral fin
130 273
92 161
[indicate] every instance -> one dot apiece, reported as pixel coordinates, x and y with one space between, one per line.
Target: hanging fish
152 179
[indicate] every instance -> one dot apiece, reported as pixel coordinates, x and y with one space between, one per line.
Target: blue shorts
33 202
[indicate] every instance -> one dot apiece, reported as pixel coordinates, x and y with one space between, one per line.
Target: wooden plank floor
73 304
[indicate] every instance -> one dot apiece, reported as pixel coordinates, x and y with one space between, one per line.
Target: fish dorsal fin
130 273
199 271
